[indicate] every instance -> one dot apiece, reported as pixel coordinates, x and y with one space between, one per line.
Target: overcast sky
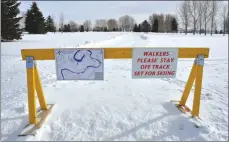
79 11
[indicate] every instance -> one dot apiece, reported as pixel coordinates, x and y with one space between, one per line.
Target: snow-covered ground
118 108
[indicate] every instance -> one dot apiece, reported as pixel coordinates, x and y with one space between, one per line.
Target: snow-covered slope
118 108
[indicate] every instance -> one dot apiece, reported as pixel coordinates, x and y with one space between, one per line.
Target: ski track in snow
118 108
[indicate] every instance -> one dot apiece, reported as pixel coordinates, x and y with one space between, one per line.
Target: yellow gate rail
34 84
111 53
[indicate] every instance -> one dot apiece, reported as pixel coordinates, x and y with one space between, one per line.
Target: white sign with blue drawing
79 64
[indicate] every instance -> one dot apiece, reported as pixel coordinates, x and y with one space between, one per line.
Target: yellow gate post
198 85
197 75
39 89
31 90
36 118
188 86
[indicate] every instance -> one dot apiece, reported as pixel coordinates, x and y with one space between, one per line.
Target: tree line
193 16
125 23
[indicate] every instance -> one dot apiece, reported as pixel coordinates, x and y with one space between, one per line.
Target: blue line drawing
80 60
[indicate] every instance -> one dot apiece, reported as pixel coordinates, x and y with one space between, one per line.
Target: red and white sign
154 62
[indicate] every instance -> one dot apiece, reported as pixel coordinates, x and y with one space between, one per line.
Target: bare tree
200 6
73 26
61 24
152 19
206 14
193 10
100 24
226 23
97 23
168 20
87 25
126 23
112 24
103 23
131 22
215 27
214 11
184 15
121 23
224 15
161 23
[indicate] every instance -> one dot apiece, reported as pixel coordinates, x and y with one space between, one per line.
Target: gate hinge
29 62
199 60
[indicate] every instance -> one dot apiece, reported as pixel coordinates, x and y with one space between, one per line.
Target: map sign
154 62
79 64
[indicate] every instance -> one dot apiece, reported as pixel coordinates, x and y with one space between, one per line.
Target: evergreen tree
50 27
67 28
135 28
174 25
155 26
139 28
105 29
145 26
81 28
35 22
9 22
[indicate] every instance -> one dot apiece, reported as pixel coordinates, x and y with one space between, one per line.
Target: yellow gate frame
34 83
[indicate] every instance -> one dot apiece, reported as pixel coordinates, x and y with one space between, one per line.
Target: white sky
79 11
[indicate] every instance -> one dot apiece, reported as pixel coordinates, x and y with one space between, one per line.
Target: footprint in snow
206 96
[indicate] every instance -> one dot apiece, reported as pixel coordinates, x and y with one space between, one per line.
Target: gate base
183 109
30 129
